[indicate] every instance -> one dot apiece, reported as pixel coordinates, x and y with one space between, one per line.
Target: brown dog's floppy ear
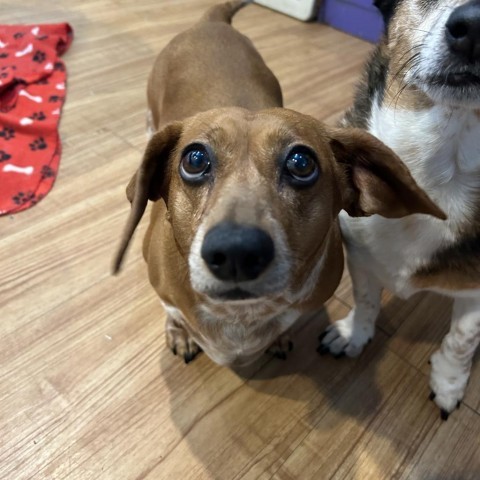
375 179
148 182
130 190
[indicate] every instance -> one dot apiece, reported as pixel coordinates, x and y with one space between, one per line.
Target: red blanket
32 93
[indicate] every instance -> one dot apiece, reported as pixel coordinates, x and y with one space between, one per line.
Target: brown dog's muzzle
237 253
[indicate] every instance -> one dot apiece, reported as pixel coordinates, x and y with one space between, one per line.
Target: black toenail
323 350
444 415
432 396
336 356
322 335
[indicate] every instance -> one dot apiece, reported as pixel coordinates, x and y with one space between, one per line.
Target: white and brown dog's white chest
441 147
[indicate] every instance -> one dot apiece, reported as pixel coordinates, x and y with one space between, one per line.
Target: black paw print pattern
35 200
39 56
23 197
59 67
7 133
47 172
55 98
18 35
38 144
4 55
43 81
4 156
38 115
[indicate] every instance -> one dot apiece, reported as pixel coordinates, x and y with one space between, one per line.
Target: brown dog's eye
301 167
195 163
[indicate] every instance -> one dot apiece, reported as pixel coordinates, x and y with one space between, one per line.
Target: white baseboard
301 9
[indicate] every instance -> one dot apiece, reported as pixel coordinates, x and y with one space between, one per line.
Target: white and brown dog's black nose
463 31
237 253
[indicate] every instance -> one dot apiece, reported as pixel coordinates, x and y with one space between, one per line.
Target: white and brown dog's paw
180 342
281 347
448 383
346 337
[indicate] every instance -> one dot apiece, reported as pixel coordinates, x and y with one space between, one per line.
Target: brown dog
243 236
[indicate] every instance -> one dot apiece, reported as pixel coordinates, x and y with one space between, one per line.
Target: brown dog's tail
223 12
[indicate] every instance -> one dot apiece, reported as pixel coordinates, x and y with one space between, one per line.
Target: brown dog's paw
180 342
281 347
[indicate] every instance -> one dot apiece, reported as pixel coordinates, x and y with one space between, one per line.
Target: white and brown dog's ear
387 8
148 183
374 180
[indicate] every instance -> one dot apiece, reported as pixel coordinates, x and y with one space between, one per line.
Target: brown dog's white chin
238 297
235 295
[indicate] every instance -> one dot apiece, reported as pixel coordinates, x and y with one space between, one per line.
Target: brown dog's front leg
179 341
281 347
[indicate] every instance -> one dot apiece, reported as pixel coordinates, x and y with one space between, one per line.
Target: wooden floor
88 389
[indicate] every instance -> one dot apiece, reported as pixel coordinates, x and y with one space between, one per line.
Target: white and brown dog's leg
452 362
179 341
349 335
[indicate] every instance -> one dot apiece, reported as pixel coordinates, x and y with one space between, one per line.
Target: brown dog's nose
463 31
237 253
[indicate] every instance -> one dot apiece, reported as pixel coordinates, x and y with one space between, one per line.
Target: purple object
357 17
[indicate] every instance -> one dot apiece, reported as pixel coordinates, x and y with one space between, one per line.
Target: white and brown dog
244 235
421 96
